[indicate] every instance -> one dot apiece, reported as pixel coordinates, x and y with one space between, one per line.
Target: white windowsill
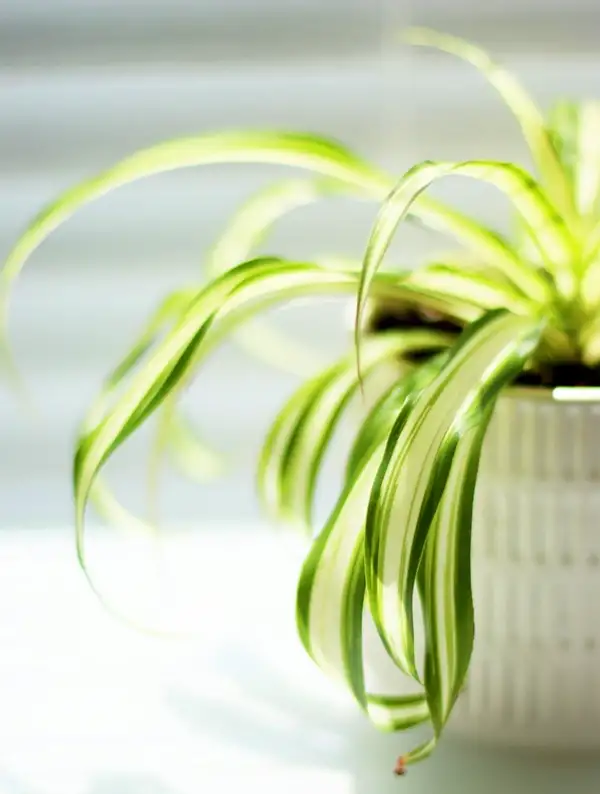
92 707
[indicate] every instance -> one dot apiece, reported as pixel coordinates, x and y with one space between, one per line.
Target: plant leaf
331 589
476 288
294 449
446 521
588 159
403 499
547 228
114 513
191 455
247 228
218 309
169 310
520 103
239 146
487 246
245 232
575 127
445 576
330 604
377 425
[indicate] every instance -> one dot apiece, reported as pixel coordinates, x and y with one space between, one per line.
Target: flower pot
534 678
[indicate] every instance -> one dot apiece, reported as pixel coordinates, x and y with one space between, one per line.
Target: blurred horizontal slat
84 82
77 121
35 33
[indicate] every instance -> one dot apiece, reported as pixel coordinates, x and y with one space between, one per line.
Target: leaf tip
400 767
419 36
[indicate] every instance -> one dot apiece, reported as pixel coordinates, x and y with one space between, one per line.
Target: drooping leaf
445 576
563 123
446 520
377 425
239 146
475 288
486 246
160 321
403 500
526 112
217 310
244 234
297 443
588 159
575 128
547 228
191 455
190 452
117 516
330 605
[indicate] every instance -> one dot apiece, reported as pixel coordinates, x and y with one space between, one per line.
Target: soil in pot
404 316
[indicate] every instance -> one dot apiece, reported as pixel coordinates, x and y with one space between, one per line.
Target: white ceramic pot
535 673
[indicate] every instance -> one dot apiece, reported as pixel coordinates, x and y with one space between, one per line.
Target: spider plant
400 531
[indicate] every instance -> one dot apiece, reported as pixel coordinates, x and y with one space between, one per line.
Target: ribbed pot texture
535 672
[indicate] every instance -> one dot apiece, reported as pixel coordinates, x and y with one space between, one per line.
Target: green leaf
445 575
188 452
217 310
446 521
330 604
404 500
589 340
547 228
248 228
588 159
575 127
169 310
377 425
449 288
239 146
245 233
297 443
114 513
454 283
520 103
397 712
331 589
563 128
488 247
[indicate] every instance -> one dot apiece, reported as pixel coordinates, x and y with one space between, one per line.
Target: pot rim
571 395
556 394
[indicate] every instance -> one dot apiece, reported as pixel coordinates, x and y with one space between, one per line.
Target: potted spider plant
469 497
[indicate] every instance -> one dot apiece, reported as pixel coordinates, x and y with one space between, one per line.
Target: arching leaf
244 234
528 115
547 228
404 497
238 146
295 447
217 310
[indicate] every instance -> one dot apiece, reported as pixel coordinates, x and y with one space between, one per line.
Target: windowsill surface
90 706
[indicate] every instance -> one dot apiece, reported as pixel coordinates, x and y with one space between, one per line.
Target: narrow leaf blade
520 103
547 228
402 497
246 231
252 146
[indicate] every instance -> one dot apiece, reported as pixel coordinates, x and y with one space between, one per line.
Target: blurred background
83 83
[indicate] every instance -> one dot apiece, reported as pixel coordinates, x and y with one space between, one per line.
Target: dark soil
546 376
